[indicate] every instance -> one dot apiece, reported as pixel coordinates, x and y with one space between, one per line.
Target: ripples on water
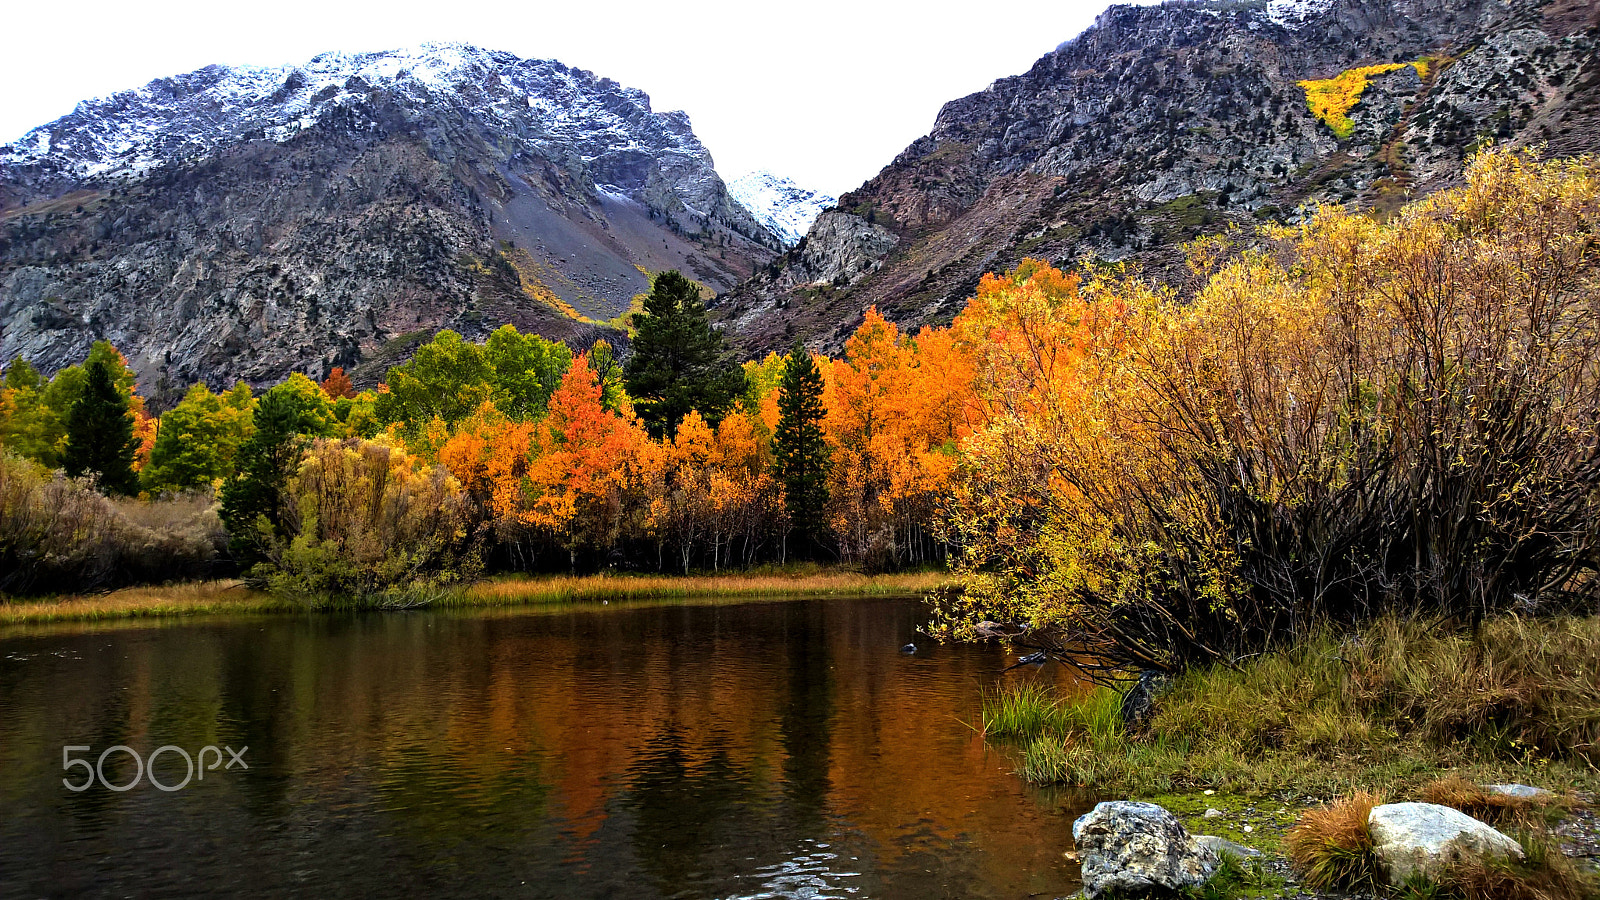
754 750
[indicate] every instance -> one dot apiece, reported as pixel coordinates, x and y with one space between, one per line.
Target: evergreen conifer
679 363
100 433
799 447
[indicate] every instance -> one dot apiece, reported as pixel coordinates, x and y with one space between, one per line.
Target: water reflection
775 749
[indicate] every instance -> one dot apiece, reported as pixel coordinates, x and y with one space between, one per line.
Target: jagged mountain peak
184 116
1162 123
778 203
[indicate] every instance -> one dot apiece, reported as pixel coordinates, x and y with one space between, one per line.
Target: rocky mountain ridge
1162 123
244 222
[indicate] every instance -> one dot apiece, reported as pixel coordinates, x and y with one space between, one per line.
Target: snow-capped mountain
780 204
249 221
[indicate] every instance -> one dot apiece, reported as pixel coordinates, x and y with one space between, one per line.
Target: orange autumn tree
338 385
897 408
490 455
144 431
585 457
1036 337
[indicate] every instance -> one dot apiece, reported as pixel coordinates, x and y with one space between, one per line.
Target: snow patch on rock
778 203
1294 14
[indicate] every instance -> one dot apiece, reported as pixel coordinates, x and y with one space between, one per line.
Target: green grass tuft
1235 878
1398 706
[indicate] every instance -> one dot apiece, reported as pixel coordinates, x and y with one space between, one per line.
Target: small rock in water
1425 838
1139 703
1223 845
909 649
1213 813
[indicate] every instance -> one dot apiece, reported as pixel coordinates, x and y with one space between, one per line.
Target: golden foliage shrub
370 525
1347 419
1331 99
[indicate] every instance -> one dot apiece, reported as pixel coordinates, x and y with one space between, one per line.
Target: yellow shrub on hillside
1331 99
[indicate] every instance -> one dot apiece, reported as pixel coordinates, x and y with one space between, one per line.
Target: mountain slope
1159 124
248 222
786 208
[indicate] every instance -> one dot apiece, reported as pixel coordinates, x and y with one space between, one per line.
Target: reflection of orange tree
556 741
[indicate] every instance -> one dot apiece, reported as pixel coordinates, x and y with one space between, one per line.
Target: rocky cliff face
248 222
1159 124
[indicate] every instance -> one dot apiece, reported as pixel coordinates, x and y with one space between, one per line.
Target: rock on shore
1133 848
1425 839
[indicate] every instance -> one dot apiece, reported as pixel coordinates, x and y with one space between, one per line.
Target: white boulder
1521 791
1425 839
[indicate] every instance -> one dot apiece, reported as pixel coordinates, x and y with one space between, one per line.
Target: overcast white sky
826 92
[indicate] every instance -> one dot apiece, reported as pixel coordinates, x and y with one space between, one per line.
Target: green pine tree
679 363
799 447
255 496
100 433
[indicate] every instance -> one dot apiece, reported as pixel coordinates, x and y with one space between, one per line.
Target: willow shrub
59 534
369 525
1347 418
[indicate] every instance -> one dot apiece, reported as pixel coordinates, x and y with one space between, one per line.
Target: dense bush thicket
1343 419
371 525
1348 418
59 534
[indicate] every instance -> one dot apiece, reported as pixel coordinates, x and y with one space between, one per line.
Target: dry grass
1396 706
1332 846
515 591
1544 874
1489 806
200 597
192 598
1522 686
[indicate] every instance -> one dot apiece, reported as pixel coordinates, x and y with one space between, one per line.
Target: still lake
779 748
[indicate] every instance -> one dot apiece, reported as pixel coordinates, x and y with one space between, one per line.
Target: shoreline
1261 821
230 596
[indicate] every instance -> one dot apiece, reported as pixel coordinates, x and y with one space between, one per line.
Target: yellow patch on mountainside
1331 99
528 272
